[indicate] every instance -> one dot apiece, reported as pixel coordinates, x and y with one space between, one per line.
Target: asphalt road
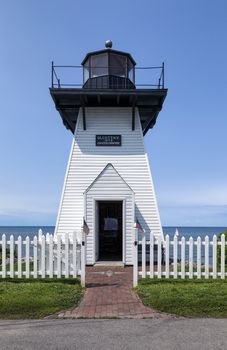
114 334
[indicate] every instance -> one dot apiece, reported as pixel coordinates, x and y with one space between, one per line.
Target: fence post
135 258
167 256
222 256
83 257
214 256
151 255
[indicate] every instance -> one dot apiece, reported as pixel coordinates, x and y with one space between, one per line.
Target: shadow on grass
41 280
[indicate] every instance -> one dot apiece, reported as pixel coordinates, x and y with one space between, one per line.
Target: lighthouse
108 186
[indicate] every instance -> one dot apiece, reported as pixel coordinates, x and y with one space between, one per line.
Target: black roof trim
108 50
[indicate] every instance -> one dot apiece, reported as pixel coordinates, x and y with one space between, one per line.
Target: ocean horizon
186 231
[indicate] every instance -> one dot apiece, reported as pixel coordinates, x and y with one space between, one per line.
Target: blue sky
187 148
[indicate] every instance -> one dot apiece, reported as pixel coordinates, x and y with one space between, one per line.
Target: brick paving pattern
109 294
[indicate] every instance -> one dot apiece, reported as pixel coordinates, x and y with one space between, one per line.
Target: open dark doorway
110 230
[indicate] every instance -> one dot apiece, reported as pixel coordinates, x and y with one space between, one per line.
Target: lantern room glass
109 63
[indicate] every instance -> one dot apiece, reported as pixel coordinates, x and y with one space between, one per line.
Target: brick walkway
109 294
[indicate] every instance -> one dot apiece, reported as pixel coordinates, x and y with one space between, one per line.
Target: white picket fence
43 256
186 260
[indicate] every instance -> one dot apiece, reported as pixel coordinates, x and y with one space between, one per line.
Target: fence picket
159 257
143 255
74 255
214 256
207 257
59 256
222 256
83 258
35 256
43 256
191 257
27 257
19 257
167 256
11 256
66 255
199 257
183 258
3 256
151 255
175 244
51 256
47 257
135 258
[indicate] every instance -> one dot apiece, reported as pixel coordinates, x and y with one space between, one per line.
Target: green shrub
219 249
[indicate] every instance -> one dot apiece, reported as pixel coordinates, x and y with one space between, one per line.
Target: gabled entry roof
109 165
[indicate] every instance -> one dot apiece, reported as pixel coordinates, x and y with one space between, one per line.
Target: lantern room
109 69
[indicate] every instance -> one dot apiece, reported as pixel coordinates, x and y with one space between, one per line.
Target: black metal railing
67 79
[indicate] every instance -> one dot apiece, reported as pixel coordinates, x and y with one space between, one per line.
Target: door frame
94 220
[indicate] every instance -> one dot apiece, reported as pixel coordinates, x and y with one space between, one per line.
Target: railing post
83 257
135 258
52 74
163 75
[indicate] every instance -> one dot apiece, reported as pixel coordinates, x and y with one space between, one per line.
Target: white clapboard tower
108 186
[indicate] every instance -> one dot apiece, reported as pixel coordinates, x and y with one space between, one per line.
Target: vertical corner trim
83 112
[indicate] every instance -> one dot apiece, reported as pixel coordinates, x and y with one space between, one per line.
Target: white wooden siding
87 161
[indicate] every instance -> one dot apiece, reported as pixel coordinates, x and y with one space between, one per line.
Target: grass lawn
195 298
36 298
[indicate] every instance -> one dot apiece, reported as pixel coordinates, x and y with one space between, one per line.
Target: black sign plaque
108 140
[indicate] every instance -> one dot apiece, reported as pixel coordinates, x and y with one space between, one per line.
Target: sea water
187 232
